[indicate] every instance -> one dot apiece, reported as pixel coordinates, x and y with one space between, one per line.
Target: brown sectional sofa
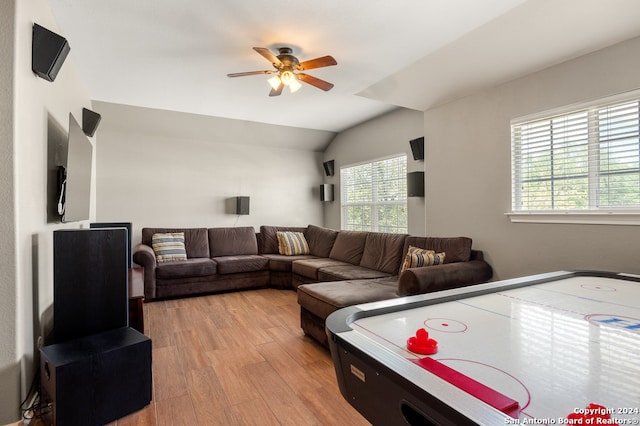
342 268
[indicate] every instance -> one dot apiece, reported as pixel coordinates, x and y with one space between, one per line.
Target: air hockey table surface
530 350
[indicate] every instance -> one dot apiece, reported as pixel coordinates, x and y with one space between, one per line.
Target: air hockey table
531 350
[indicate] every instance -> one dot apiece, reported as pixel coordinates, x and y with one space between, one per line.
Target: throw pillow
292 243
417 257
169 246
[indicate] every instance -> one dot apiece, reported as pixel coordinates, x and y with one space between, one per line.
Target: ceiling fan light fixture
274 82
294 86
287 77
286 65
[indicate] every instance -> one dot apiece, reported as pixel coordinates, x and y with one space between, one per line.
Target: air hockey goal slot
415 417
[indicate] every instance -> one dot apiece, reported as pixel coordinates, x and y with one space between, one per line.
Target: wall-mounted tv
75 191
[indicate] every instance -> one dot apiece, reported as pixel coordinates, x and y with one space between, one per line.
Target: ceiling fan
286 65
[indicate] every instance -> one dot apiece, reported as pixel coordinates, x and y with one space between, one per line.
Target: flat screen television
75 192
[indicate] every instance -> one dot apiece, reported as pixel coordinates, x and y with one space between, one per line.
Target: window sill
584 218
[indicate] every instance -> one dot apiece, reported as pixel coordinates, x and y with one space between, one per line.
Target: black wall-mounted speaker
48 52
242 205
90 282
417 148
326 192
415 184
96 379
328 167
90 121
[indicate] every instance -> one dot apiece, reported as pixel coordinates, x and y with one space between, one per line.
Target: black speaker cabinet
326 192
48 52
97 379
328 167
90 282
90 121
242 205
128 226
415 184
417 148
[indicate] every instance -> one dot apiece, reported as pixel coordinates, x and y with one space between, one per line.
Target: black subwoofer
96 379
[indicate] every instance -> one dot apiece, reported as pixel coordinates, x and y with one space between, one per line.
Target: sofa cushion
196 242
383 251
169 246
269 240
348 272
292 243
282 263
197 267
232 241
458 249
241 263
320 240
349 246
308 268
322 299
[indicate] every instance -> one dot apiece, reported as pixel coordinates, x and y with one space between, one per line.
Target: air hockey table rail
530 350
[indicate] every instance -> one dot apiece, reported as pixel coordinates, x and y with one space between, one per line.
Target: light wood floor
238 359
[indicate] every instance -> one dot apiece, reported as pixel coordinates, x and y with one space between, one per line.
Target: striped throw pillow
417 257
292 243
169 246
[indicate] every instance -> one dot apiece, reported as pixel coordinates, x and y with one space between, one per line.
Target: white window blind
374 196
587 159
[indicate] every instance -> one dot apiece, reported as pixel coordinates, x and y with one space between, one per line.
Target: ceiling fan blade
242 74
269 55
276 92
320 84
324 61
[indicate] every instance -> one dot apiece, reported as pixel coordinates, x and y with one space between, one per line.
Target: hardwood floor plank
254 413
168 379
209 400
191 353
281 399
176 411
294 374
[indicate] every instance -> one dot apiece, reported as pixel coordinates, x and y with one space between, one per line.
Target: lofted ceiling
175 55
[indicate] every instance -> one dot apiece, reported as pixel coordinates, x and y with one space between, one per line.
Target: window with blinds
374 196
586 159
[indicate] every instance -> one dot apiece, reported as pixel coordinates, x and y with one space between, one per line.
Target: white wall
468 170
381 137
9 358
27 276
184 178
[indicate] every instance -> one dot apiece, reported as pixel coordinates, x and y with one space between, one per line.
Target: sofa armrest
144 256
443 277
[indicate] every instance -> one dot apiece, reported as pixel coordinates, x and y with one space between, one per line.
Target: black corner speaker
242 205
417 148
328 167
90 121
415 184
48 52
326 192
